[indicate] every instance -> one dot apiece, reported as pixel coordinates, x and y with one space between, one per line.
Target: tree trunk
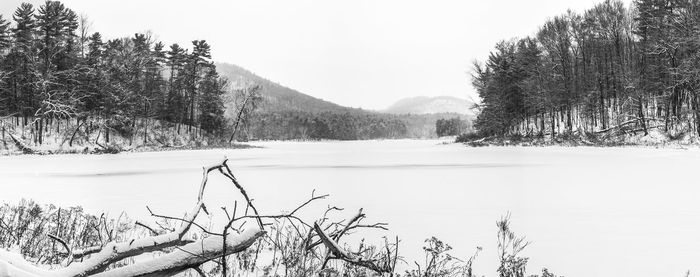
641 117
145 131
72 137
552 123
41 131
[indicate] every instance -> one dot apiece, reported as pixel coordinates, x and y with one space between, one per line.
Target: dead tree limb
382 263
23 147
178 261
178 251
188 254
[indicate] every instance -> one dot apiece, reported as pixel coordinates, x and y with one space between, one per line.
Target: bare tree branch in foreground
178 244
186 255
377 261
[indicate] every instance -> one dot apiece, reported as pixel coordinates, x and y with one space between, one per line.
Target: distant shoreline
97 150
655 139
91 150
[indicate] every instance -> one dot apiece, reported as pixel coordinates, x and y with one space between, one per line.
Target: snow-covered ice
588 211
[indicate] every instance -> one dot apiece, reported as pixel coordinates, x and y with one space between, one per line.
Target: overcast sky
365 54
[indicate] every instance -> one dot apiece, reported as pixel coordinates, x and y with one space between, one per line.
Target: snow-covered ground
588 211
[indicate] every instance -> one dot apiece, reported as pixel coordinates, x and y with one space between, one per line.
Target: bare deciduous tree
247 100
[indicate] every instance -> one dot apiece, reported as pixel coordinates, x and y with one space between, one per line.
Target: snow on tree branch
186 254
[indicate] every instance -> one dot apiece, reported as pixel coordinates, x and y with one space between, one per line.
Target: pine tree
5 38
25 27
51 21
158 85
211 106
93 77
22 60
5 95
175 99
196 63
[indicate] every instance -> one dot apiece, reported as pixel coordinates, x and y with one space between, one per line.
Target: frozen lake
588 211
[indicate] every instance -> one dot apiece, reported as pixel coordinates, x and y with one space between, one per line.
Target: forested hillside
611 70
55 71
282 113
275 96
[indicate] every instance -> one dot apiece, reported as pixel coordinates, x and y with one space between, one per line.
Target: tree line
451 126
299 125
52 67
611 69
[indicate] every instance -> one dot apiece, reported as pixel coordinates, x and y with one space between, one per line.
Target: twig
147 227
65 246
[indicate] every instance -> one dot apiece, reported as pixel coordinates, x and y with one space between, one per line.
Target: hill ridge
277 97
431 105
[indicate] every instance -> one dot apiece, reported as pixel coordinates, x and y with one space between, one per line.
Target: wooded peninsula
608 73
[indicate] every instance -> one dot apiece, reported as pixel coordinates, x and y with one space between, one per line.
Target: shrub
467 137
121 124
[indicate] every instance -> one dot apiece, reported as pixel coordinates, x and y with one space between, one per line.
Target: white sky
358 53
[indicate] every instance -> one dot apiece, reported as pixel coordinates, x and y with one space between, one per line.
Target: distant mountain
431 105
276 98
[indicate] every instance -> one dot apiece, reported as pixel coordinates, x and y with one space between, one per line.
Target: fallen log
20 145
186 253
191 255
